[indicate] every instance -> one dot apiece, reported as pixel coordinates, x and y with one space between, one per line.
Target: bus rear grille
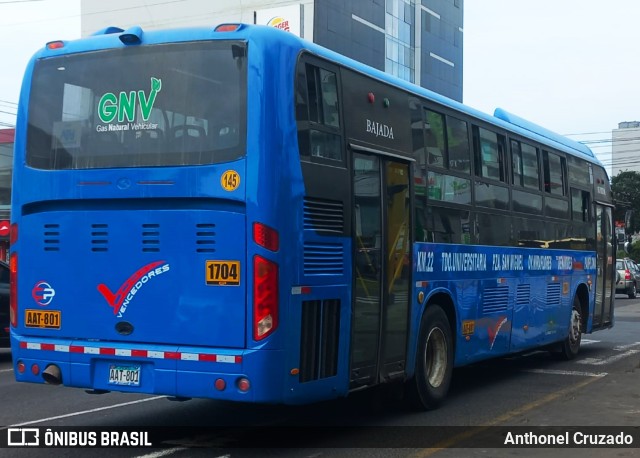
496 299
553 294
319 339
323 216
51 237
150 238
323 259
205 238
523 294
99 238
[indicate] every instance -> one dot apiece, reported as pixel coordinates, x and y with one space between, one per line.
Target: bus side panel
506 299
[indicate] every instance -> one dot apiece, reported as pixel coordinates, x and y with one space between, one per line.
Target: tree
625 187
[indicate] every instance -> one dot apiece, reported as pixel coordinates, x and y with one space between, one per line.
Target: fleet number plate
124 375
223 273
47 319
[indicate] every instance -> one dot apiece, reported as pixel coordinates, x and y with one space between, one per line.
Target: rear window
158 105
619 265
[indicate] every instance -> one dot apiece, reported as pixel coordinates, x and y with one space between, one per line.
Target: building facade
417 40
625 149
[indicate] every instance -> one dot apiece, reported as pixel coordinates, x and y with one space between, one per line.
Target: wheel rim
436 358
574 333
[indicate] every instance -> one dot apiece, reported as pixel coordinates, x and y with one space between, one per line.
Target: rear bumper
164 370
622 287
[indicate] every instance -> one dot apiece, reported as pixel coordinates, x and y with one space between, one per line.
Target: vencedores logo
121 299
43 293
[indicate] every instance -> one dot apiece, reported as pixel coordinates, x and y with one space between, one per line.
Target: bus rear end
129 261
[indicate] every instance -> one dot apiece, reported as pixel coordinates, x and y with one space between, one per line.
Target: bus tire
571 346
434 361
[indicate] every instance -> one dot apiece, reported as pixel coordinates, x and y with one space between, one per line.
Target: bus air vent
150 238
553 294
323 259
523 294
51 237
496 299
205 238
319 339
324 216
99 238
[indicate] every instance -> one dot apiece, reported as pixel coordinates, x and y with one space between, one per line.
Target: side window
524 164
323 96
447 225
490 149
458 145
580 205
434 136
553 174
447 141
530 167
320 136
516 162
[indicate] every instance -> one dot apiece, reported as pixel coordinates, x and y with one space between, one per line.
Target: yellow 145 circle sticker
230 180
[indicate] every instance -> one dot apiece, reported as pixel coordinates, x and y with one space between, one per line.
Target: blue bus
234 213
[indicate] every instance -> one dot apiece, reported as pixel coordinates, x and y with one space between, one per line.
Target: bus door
382 267
605 246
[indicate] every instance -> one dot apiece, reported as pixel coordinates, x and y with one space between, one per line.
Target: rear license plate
124 375
223 273
47 319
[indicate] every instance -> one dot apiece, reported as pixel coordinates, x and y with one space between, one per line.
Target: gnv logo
43 293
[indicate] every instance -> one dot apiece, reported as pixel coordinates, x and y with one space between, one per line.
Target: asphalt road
600 388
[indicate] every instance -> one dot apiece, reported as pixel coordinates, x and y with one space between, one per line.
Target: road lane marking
450 443
625 347
608 360
82 412
588 341
6 370
561 372
169 451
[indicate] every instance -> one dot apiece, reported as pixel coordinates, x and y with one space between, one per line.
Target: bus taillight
266 237
265 297
13 289
227 28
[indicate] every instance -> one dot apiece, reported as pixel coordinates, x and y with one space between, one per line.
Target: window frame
304 122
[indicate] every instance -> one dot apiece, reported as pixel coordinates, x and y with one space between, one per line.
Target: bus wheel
434 361
570 347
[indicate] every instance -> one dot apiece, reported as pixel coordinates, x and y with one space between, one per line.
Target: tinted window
580 205
492 196
434 135
556 208
458 145
448 188
322 138
172 104
323 96
445 225
553 174
526 202
530 169
579 171
490 149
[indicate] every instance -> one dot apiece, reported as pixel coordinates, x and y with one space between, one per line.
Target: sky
25 27
568 65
